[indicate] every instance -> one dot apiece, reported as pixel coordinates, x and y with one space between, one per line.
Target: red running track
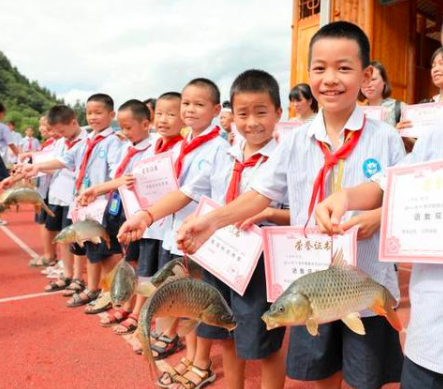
44 345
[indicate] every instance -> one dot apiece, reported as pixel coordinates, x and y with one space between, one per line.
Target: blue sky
141 48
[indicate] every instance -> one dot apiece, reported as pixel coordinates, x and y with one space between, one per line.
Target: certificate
424 118
43 156
154 178
412 215
289 255
230 254
375 112
130 201
284 129
93 211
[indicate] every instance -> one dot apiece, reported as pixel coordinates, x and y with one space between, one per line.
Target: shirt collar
317 127
103 133
237 150
145 143
207 131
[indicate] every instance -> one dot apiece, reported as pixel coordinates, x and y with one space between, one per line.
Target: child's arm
196 231
136 225
90 195
329 212
277 216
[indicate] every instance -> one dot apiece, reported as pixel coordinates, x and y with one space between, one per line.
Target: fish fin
164 323
145 289
106 281
185 326
338 260
312 326
385 307
354 323
47 210
81 243
107 240
95 240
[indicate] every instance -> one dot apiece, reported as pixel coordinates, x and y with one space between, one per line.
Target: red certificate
289 255
94 211
230 254
412 216
374 112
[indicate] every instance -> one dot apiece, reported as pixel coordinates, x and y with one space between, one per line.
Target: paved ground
44 345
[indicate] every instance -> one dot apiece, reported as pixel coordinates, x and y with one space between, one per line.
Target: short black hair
151 101
303 91
226 104
256 81
11 122
436 53
344 30
138 109
211 86
170 96
2 107
102 98
60 114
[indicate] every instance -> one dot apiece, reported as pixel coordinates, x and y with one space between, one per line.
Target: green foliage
26 101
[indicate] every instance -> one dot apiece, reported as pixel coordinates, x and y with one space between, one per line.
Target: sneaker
3 222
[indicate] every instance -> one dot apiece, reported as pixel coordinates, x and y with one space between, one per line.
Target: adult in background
304 103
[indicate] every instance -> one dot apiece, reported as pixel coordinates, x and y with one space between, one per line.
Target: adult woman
304 103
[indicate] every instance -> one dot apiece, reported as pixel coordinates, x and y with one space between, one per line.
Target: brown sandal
171 377
207 376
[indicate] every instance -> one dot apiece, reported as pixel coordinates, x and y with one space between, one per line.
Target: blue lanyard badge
114 204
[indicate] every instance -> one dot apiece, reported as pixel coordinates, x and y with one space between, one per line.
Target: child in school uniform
62 121
200 104
29 143
92 162
339 148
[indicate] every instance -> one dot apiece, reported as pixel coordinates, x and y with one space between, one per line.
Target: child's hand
260 217
231 138
129 181
24 156
193 233
368 223
7 183
29 170
403 124
133 229
87 197
329 213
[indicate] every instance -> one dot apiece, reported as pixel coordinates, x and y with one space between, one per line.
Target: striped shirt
5 141
296 162
424 340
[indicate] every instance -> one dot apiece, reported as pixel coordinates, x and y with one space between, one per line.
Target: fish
337 293
121 282
195 300
83 231
25 195
175 269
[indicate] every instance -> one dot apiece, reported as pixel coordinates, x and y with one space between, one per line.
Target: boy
92 161
135 120
29 143
338 67
200 104
226 119
62 121
16 138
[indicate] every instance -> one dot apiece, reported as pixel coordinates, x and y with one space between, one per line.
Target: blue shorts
40 217
252 340
367 361
150 250
133 252
60 220
417 377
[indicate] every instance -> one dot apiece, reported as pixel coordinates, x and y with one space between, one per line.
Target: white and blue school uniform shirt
198 159
296 163
16 139
63 180
5 141
214 181
103 159
29 144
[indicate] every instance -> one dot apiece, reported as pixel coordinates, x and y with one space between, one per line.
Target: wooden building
403 36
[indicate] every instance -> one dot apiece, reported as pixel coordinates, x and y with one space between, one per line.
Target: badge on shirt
370 167
102 154
86 183
114 204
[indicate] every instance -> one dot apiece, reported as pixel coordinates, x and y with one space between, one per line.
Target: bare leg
273 371
79 264
332 382
68 261
49 248
233 367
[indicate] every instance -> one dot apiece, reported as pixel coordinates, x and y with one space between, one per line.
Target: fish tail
47 210
384 306
107 240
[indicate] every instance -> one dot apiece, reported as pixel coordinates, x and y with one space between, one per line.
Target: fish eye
281 309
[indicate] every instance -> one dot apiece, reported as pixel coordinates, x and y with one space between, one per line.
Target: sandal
76 286
128 325
206 377
117 317
101 304
138 349
185 362
77 299
55 286
42 262
171 346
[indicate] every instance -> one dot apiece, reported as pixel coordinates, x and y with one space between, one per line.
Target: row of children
263 183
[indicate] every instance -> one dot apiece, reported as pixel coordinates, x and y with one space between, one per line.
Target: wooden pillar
412 63
369 22
294 32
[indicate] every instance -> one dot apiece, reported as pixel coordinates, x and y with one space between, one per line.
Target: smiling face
374 90
255 117
437 71
134 129
336 74
168 122
303 107
197 108
98 116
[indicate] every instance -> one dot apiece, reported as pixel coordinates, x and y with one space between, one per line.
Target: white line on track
19 242
27 296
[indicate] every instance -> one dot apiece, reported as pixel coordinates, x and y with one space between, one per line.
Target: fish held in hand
338 293
25 195
184 298
121 282
83 231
